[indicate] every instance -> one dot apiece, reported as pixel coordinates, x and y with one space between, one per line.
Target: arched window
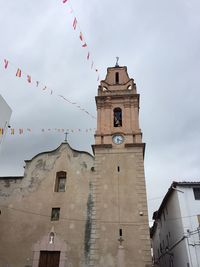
60 181
117 117
116 77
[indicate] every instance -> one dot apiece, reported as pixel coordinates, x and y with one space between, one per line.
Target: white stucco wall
169 231
190 208
5 114
179 218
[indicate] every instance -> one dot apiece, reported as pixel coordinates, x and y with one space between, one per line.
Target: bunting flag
81 36
5 63
19 73
64 1
84 45
21 131
43 87
88 55
74 23
29 78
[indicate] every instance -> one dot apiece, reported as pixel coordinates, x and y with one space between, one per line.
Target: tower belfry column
119 191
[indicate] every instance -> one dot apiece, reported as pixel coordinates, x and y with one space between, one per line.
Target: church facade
73 209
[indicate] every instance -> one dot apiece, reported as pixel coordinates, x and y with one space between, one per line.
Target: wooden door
49 259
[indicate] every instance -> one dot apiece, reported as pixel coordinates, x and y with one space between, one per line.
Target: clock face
118 139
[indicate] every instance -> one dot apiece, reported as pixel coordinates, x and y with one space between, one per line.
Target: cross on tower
66 133
117 65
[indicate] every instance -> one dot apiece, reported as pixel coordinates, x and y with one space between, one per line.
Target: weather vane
66 137
117 65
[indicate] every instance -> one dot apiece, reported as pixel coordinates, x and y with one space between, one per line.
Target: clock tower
119 224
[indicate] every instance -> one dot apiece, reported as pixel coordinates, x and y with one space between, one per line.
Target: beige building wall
26 205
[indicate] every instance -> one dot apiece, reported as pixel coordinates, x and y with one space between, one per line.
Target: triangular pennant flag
88 55
74 23
29 78
84 45
20 131
19 73
81 36
5 63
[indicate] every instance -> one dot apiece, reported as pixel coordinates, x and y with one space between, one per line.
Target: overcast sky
158 41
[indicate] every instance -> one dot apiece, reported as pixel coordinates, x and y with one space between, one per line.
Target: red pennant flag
19 73
29 78
5 63
81 36
64 1
20 131
84 45
74 23
88 55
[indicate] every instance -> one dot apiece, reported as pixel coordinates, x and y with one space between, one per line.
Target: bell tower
117 110
120 230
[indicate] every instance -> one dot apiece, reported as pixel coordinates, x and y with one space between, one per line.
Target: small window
55 214
196 191
60 182
116 77
117 113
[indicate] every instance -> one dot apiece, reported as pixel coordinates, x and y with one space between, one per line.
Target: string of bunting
21 74
84 44
21 131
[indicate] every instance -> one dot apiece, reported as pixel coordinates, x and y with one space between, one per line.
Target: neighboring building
73 209
176 230
5 114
